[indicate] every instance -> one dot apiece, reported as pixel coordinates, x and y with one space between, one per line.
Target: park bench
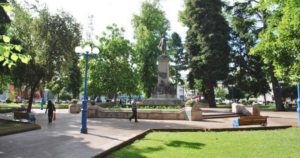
24 115
292 104
250 120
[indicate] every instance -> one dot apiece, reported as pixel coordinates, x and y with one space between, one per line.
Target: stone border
18 129
143 134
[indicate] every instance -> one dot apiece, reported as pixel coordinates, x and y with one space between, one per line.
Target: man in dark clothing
50 108
134 115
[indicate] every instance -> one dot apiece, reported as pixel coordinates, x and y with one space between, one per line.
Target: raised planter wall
245 109
183 114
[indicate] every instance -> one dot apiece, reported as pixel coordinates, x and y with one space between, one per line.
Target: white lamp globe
78 50
96 50
87 48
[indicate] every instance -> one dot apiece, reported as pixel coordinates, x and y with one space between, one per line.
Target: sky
120 12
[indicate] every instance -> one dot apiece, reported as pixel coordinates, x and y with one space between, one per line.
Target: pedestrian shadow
183 144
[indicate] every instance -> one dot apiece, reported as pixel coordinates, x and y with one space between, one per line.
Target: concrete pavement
62 138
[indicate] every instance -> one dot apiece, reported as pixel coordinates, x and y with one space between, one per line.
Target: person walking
134 107
50 108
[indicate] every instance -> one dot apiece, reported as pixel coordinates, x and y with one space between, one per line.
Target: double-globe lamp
86 51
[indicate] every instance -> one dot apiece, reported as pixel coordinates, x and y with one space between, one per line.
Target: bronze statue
163 44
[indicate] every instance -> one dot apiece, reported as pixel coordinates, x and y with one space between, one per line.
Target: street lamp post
85 52
232 85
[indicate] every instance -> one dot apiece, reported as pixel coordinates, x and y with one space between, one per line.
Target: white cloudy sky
120 12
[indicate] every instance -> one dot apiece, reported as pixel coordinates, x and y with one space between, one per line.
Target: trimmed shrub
191 102
242 101
8 101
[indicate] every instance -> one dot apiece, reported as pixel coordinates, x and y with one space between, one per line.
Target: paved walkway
62 138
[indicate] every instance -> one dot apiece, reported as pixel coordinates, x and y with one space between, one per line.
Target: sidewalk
62 138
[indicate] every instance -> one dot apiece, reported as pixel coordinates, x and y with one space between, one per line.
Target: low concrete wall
74 108
183 114
245 109
202 105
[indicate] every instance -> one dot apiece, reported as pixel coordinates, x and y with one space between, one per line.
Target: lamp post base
83 130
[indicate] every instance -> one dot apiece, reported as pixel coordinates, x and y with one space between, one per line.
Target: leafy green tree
249 71
64 95
10 49
289 90
237 93
9 52
112 71
279 42
259 14
176 48
209 35
50 41
149 25
220 93
74 81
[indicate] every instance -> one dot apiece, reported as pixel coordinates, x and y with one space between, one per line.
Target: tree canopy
149 25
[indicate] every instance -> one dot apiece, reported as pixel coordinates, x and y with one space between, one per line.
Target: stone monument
163 93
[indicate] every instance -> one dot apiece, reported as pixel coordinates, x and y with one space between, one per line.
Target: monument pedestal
163 93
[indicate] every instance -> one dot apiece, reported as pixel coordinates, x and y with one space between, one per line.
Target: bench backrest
245 120
20 114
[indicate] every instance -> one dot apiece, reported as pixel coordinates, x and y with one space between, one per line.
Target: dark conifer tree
209 34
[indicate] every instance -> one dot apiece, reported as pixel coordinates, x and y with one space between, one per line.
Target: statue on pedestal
163 44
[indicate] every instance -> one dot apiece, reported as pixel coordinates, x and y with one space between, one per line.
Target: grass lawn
268 106
224 106
272 144
10 125
4 109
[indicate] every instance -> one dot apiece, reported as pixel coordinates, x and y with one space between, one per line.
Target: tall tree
208 27
10 49
49 39
248 71
112 71
75 79
259 14
279 42
149 25
176 48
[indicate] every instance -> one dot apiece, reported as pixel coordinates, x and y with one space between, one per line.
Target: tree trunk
265 99
276 90
130 98
211 94
58 97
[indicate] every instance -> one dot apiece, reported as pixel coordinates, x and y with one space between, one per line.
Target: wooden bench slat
251 120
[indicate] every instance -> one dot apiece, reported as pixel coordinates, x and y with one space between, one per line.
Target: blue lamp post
232 85
85 52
